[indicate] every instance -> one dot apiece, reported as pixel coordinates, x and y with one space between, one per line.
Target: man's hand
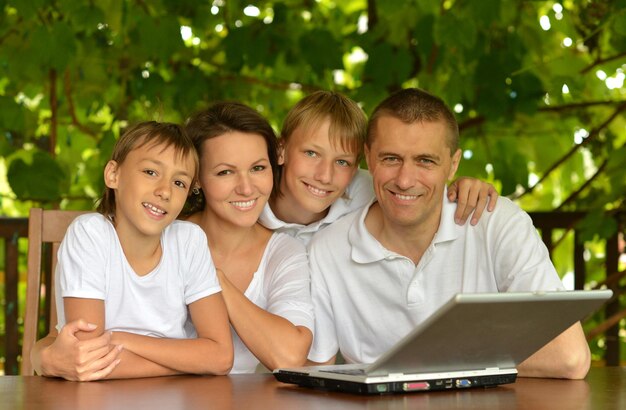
80 360
471 195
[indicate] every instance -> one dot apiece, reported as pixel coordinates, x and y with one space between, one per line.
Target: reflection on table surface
604 388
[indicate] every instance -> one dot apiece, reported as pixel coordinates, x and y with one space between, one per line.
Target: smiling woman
264 275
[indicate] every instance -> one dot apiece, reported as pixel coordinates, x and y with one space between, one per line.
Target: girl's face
315 172
151 186
236 177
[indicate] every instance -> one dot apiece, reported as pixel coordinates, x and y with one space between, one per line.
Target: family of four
218 247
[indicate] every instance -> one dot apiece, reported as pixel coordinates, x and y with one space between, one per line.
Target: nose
163 190
324 172
244 185
406 176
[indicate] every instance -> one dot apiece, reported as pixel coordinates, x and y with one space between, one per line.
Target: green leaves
312 42
53 47
12 115
121 61
35 175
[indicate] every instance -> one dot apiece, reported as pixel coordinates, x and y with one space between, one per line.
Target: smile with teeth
244 204
153 209
317 191
405 197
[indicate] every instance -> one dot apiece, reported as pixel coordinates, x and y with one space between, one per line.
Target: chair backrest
44 226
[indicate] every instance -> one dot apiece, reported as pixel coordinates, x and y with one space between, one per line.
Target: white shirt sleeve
82 258
287 282
200 276
521 259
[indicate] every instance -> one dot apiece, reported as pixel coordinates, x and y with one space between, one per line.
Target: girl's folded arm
130 365
210 353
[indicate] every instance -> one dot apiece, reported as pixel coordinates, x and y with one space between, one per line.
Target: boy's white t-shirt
358 194
281 286
92 265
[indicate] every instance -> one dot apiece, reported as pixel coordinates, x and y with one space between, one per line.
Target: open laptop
474 340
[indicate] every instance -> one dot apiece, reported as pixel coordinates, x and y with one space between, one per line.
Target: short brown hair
221 118
149 132
412 105
348 123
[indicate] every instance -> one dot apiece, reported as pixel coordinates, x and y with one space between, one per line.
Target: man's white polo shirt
366 297
358 194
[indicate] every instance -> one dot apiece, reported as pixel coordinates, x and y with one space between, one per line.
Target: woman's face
236 177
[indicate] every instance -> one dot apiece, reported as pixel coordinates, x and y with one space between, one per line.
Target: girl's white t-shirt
92 265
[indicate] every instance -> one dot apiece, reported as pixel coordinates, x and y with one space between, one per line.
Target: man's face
410 165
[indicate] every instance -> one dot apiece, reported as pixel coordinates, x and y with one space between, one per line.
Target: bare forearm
274 340
133 366
39 359
567 357
197 356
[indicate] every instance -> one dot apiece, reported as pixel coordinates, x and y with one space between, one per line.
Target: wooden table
604 388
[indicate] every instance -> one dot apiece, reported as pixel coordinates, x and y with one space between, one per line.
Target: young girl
135 271
320 148
263 274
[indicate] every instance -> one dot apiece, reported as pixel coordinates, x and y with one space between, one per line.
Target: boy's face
315 172
236 177
151 186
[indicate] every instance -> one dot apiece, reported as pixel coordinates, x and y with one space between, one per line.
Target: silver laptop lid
487 330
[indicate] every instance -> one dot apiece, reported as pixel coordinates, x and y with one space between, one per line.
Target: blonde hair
348 123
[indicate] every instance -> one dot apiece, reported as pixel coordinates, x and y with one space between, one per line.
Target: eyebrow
226 164
318 147
414 157
178 171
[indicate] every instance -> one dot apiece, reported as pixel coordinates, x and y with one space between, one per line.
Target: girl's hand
80 360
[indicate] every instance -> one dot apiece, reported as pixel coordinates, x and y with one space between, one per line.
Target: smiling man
379 272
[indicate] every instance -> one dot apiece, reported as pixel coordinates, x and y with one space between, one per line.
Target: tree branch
472 122
586 104
7 34
67 86
271 85
600 61
576 193
54 111
592 135
372 14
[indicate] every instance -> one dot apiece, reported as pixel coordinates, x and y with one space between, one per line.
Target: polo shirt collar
339 208
367 249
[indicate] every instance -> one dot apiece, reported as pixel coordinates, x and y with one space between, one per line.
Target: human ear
111 174
281 152
456 159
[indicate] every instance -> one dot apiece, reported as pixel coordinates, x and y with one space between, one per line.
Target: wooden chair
44 226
